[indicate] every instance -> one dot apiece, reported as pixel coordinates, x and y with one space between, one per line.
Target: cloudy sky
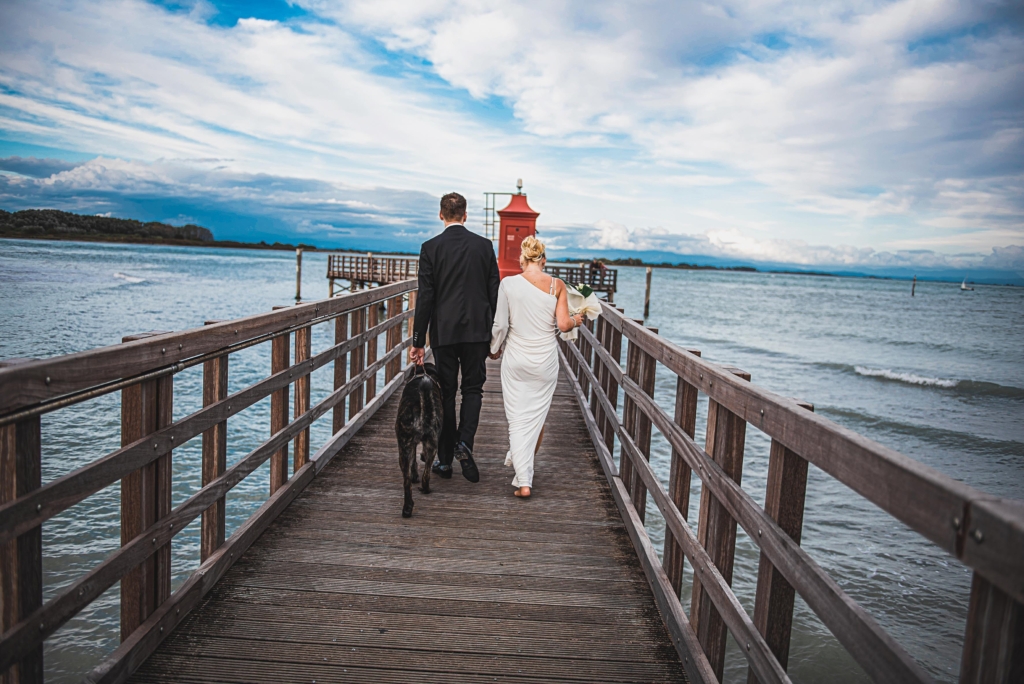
860 134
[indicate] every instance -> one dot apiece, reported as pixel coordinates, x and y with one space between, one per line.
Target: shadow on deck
476 586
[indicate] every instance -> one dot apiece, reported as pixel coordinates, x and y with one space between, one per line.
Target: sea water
937 376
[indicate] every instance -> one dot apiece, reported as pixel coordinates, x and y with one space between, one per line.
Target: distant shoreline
172 242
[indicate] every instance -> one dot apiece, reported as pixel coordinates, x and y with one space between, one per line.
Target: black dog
419 422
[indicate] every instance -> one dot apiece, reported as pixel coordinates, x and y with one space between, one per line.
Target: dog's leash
421 370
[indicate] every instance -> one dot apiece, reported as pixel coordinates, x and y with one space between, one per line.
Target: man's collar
452 225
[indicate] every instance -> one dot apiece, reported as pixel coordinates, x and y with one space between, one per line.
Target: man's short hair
453 206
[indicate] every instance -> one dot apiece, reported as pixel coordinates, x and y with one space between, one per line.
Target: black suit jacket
458 280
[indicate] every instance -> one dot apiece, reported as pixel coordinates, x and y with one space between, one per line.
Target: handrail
985 533
29 390
932 504
879 655
37 381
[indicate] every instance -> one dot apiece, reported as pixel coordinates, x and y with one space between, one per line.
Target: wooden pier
362 271
325 581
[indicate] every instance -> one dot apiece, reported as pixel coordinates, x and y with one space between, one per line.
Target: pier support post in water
716 529
784 503
680 476
21 559
145 496
215 453
994 641
647 294
298 275
280 348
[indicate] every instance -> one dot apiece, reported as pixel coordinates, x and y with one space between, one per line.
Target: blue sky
863 135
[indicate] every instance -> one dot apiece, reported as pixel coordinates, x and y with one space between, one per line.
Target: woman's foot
523 492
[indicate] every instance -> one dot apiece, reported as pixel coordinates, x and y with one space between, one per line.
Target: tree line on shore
52 224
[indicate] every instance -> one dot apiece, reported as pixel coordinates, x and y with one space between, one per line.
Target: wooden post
647 294
145 497
411 322
373 311
215 450
21 559
587 353
612 385
394 338
633 363
357 361
642 439
303 352
595 405
298 275
716 530
280 355
340 335
994 639
679 477
330 287
784 502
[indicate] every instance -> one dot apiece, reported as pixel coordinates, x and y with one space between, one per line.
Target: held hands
496 355
417 354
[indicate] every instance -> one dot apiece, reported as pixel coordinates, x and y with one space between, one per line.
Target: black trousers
471 358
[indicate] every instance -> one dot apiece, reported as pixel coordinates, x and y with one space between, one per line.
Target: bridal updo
532 249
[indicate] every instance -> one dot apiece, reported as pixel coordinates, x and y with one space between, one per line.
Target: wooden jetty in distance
362 271
327 581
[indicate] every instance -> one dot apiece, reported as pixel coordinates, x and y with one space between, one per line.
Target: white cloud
758 130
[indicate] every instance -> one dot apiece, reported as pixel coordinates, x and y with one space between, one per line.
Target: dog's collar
420 370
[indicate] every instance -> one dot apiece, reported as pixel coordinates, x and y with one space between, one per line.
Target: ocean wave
128 278
968 387
908 378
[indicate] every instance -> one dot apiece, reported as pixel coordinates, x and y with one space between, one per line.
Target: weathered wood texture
215 450
477 585
145 498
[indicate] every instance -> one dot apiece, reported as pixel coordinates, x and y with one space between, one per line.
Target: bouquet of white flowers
582 300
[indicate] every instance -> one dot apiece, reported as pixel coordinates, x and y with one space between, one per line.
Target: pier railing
599 279
983 532
143 369
364 270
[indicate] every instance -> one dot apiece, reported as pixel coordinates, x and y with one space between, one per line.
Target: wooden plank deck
476 586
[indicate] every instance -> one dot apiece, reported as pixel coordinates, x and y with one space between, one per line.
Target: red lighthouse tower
517 221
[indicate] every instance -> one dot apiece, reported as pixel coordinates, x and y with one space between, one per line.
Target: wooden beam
372 348
357 361
679 477
784 503
145 497
994 640
340 370
648 371
280 353
303 351
215 453
21 559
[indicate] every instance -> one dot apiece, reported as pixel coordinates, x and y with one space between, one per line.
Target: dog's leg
415 477
429 452
406 458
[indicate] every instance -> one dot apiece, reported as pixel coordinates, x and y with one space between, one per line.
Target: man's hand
496 355
417 355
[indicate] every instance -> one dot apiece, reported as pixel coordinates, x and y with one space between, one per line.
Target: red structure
517 221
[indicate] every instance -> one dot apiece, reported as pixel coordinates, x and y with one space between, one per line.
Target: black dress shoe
465 456
445 471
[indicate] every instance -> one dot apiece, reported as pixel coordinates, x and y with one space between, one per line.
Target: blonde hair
531 249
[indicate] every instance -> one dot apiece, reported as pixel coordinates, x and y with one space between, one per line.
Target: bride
530 307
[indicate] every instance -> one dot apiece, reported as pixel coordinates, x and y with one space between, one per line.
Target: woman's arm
499 328
565 321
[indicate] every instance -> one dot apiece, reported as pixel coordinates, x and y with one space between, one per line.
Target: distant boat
964 288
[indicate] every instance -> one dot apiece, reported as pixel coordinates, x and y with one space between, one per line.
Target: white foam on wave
129 279
909 378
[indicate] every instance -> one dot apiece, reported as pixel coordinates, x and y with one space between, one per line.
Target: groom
458 294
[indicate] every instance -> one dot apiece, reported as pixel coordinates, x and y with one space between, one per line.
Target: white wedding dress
525 323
